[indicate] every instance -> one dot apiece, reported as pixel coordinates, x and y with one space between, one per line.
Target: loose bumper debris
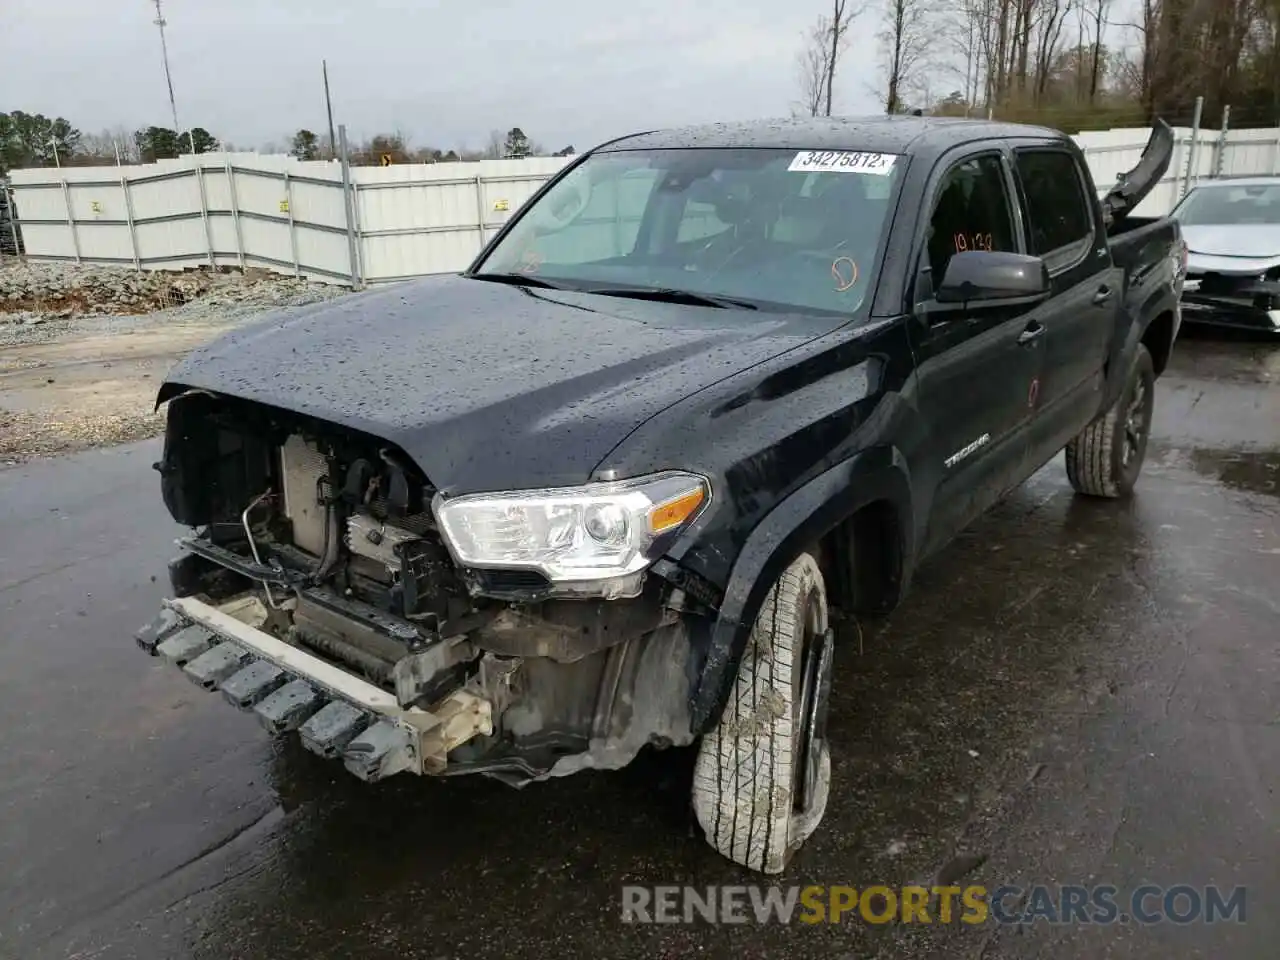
253 683
337 715
330 730
185 645
214 666
288 708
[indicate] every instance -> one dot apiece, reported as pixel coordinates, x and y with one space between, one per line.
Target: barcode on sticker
842 161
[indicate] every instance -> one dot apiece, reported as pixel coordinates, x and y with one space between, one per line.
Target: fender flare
797 522
1160 301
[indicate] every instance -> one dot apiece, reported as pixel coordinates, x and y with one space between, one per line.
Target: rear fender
796 524
1159 301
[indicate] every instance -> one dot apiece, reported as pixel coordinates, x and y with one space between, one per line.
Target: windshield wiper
521 280
671 295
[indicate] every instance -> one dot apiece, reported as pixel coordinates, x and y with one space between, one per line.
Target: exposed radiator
302 466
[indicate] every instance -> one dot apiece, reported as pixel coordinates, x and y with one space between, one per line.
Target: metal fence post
355 218
1194 149
480 211
235 213
204 211
71 219
1177 168
133 229
13 220
1220 155
348 198
293 232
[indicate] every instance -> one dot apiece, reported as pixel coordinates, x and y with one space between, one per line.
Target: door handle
1035 330
1103 295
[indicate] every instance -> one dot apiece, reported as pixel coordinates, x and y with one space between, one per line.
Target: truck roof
881 134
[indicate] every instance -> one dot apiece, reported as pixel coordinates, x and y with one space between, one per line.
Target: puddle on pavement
1255 471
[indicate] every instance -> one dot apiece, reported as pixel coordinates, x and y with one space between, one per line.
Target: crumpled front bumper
1251 302
336 714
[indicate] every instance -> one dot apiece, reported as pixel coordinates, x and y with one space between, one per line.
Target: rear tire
763 774
1104 460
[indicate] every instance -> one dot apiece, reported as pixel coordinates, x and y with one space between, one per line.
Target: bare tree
905 41
824 43
495 147
1050 16
1097 11
811 66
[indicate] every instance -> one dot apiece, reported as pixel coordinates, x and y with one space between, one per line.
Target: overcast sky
445 72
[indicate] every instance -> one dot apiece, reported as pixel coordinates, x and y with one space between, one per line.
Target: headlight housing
584 535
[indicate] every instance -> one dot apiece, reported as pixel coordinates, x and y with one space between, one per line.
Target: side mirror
990 275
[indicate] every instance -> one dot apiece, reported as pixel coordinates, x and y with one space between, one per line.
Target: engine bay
329 535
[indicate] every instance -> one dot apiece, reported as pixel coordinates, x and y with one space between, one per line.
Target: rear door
1064 228
977 367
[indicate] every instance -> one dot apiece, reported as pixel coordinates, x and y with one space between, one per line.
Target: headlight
595 532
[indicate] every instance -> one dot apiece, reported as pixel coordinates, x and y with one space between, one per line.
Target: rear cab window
1059 212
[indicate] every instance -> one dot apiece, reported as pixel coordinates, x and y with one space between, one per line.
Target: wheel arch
1158 339
873 485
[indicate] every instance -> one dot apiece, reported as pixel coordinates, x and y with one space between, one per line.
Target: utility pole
161 22
328 105
164 49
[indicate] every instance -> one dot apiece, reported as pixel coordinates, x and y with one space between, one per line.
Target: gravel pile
35 292
82 348
43 302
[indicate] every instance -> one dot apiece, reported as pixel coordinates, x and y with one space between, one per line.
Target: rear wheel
764 772
1104 460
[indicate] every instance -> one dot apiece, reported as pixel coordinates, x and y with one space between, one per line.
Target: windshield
782 229
1231 206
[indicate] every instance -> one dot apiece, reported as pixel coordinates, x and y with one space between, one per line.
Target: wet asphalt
1076 691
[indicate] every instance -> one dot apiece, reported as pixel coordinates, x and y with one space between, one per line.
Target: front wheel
763 773
1104 460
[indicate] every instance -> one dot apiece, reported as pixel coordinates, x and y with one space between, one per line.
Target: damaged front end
1232 291
331 589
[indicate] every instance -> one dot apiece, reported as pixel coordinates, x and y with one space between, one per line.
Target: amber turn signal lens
675 512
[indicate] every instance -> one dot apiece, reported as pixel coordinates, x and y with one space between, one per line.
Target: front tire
763 774
1104 460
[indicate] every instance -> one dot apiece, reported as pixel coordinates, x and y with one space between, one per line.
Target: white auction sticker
843 161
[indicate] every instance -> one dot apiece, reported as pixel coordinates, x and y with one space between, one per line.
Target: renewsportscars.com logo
1065 904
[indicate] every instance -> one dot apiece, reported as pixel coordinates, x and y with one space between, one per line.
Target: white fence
246 210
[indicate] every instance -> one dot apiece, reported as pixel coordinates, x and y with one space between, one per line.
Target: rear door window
1059 213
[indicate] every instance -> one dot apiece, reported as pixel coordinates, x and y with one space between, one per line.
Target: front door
977 368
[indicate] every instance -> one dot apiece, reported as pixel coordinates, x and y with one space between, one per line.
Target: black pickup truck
603 489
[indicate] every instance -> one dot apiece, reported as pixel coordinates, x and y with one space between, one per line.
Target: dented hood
488 386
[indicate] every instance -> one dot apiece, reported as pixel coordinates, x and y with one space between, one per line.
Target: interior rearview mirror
977 275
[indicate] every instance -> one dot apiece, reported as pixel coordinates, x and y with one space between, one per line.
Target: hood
1253 241
488 386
